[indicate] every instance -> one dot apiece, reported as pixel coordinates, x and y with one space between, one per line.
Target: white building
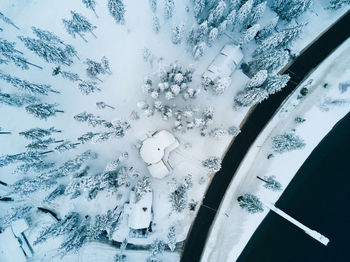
225 63
140 212
155 152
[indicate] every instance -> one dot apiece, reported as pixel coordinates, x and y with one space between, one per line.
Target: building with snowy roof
140 212
225 63
155 152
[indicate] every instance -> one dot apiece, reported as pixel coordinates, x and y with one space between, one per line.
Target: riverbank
316 197
233 227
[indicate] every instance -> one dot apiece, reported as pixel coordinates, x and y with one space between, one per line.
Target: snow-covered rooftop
140 212
19 226
225 62
155 152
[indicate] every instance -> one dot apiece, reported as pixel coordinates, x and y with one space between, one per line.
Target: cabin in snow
140 212
155 152
225 63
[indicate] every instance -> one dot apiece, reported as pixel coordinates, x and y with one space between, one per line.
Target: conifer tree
289 10
153 5
337 4
271 60
117 10
8 53
88 87
258 79
287 142
7 20
78 25
43 110
24 85
213 163
49 47
256 13
251 203
249 34
250 97
267 30
38 133
17 100
169 6
90 4
275 83
244 11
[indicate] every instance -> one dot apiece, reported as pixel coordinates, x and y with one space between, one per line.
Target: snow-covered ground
124 46
233 226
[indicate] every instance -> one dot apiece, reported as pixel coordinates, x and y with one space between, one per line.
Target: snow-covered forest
85 82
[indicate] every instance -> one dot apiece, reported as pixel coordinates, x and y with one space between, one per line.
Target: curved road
301 66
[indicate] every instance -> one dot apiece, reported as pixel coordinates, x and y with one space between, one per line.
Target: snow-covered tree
178 198
213 164
153 5
78 25
169 6
275 83
287 142
117 10
8 53
17 100
24 85
143 186
177 34
231 18
14 214
87 137
155 24
7 20
213 35
38 133
251 203
43 110
258 79
267 30
88 87
57 192
198 50
198 8
270 60
289 10
218 13
66 145
256 13
66 74
41 144
218 133
233 131
280 39
337 4
157 248
95 68
49 47
63 227
171 238
90 4
102 105
34 167
249 97
244 12
249 34
26 157
271 183
120 258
